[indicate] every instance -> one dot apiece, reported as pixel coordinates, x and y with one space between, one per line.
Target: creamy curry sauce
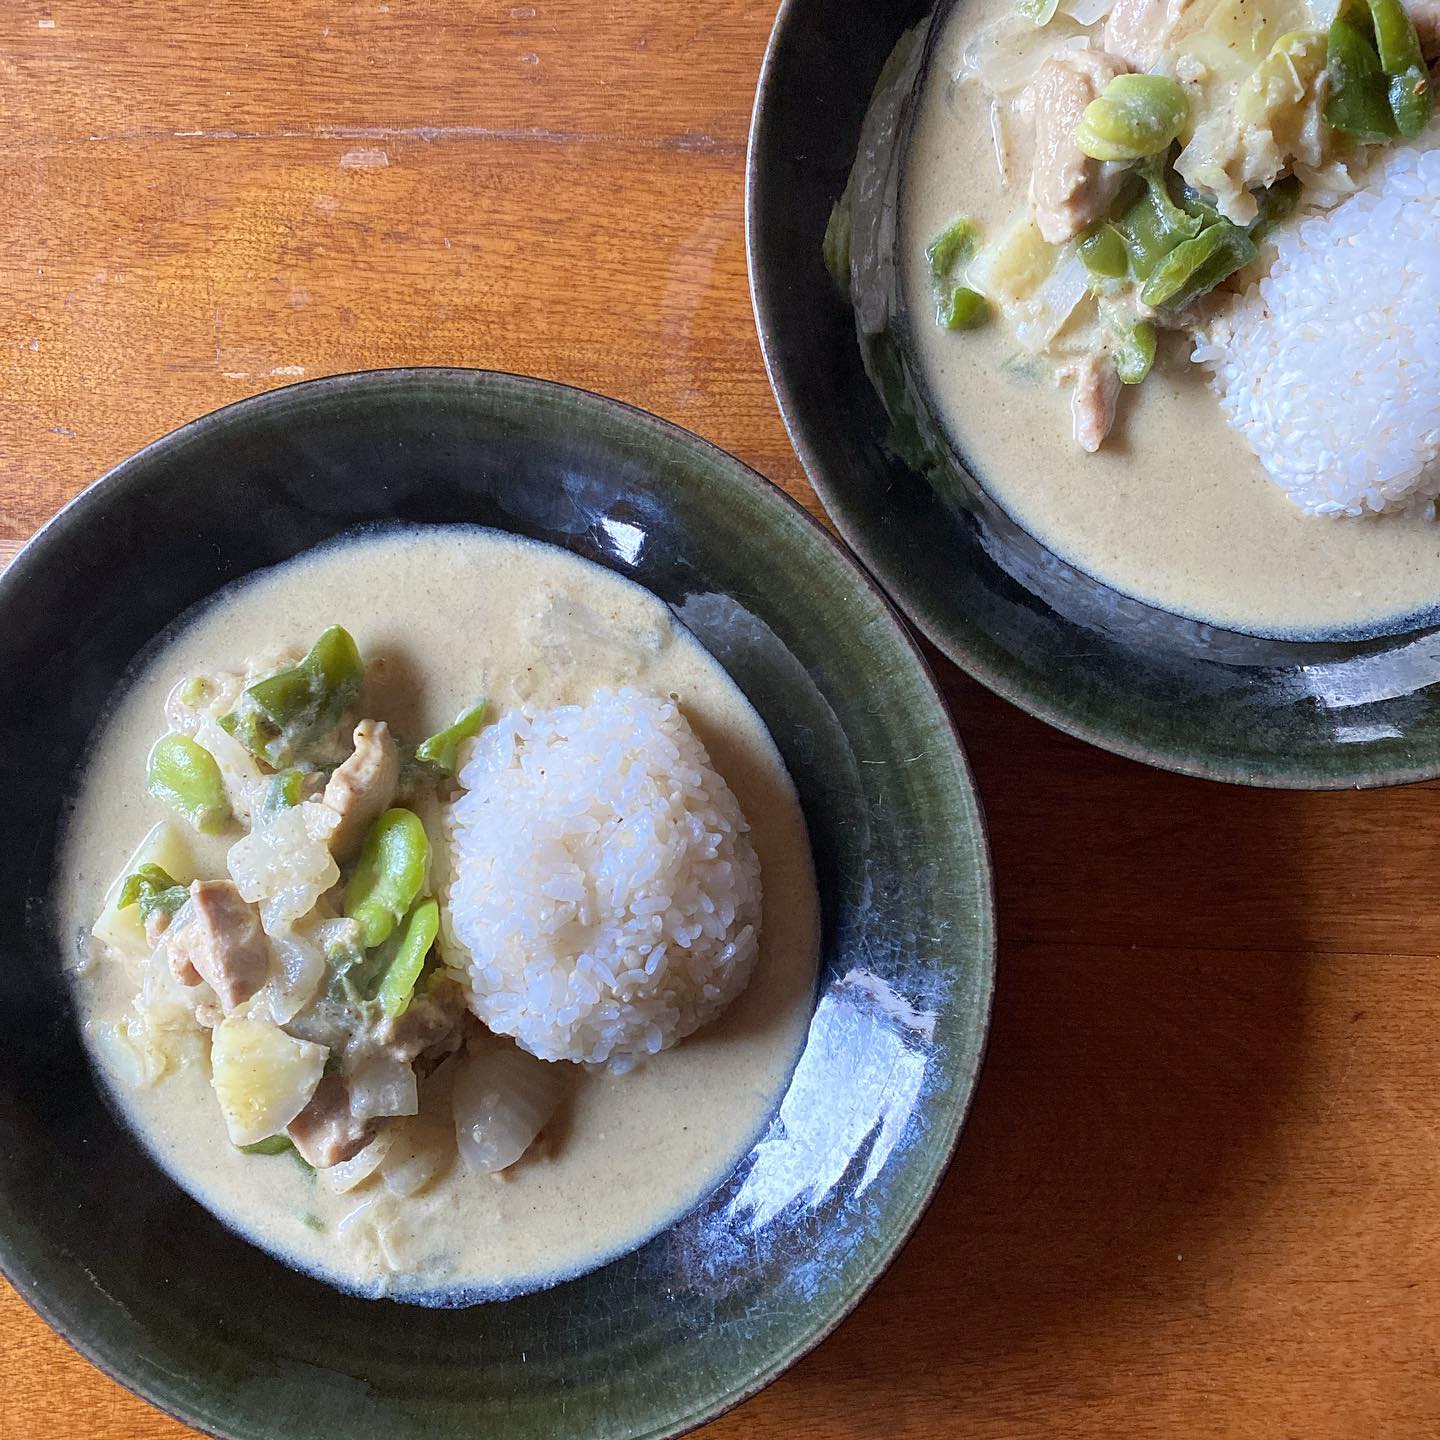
443 615
1174 509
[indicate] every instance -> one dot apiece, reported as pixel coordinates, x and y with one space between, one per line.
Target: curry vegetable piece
282 716
1197 266
441 750
953 246
1277 203
1408 87
1153 224
283 791
389 875
151 888
275 1145
1135 353
1359 100
262 1076
164 847
1134 116
398 985
183 774
957 307
1104 254
967 309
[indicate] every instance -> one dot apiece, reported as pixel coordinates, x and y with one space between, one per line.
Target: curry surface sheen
443 615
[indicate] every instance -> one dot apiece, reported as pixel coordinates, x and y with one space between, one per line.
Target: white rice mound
1330 365
603 880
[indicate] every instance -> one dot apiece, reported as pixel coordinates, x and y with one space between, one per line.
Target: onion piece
1087 12
412 1167
1055 302
503 1097
349 1173
381 1086
297 975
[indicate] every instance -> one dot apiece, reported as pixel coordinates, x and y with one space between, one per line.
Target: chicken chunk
1092 404
325 1132
363 788
1139 32
423 1027
1068 189
221 943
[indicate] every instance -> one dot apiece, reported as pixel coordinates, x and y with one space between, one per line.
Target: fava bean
1135 353
418 935
389 875
1134 116
184 775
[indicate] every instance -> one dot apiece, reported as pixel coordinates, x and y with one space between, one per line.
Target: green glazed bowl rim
27 1276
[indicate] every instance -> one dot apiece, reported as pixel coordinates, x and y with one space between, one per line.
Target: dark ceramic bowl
157 1292
1137 680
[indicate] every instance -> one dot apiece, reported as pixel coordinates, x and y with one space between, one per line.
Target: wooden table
1198 1194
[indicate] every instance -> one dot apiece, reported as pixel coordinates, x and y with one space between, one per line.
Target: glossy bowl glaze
155 1290
1098 664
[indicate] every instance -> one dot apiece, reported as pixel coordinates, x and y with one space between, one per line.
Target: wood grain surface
1198 1194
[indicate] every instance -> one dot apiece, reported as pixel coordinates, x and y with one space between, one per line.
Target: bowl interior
154 1289
1135 679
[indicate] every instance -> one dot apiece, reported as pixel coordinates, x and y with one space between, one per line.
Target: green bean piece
953 246
185 776
1136 353
442 751
388 876
1408 80
1277 204
967 309
1152 224
398 984
1197 266
1103 252
274 1145
152 888
1134 116
280 717
1359 98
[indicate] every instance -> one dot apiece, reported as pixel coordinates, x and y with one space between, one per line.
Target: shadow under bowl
1143 682
159 1293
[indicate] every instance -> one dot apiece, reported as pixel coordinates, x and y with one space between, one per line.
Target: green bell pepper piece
280 717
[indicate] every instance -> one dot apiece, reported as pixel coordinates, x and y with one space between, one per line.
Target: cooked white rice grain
1330 366
604 883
